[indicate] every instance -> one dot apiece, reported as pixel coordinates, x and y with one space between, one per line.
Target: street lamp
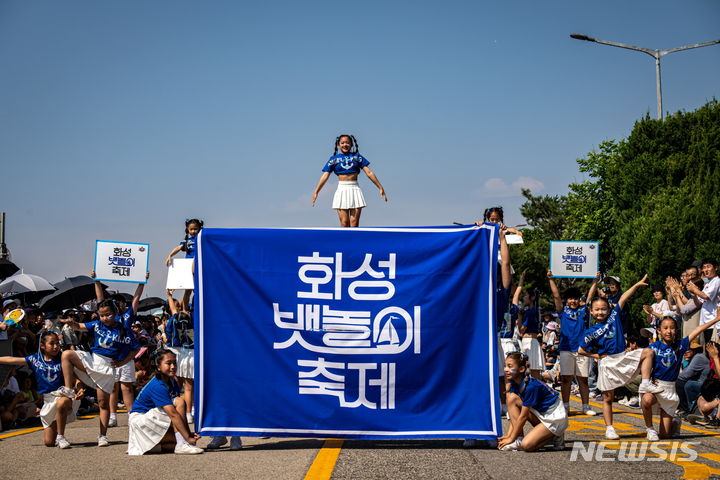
656 54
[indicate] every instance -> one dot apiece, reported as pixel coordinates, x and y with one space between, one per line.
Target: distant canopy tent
352 333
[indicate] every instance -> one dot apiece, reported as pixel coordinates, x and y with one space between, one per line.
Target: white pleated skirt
48 412
616 370
348 195
185 362
99 372
145 430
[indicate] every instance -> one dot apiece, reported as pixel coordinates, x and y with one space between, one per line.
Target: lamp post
656 54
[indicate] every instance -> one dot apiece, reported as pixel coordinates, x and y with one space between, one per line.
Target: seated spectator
691 378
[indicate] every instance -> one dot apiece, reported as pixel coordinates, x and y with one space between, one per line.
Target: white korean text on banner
574 259
352 333
121 261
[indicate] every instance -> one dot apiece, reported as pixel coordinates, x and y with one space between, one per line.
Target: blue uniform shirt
48 374
346 164
155 394
537 395
190 247
501 305
531 321
606 338
507 329
666 365
126 318
176 337
572 327
110 341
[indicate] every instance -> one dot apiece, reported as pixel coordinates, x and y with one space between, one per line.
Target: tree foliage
651 200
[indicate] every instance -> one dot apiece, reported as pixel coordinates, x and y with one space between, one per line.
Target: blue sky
121 119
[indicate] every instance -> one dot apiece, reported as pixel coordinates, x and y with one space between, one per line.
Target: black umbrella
70 293
7 268
150 303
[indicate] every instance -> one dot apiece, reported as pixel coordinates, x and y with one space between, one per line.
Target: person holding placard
189 246
113 346
573 322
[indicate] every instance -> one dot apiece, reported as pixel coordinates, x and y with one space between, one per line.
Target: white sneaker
470 443
652 435
216 442
589 411
103 441
235 443
512 447
624 401
187 449
634 402
559 442
62 442
610 433
649 387
112 422
189 418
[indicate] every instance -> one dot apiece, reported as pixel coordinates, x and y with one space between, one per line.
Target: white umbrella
23 283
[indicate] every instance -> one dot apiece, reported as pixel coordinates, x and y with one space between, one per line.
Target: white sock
59 436
179 438
113 416
645 381
567 406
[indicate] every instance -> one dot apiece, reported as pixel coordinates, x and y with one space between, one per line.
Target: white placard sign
574 259
121 261
180 274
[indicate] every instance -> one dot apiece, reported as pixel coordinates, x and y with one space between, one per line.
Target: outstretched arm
174 251
630 291
375 180
321 183
593 288
171 302
99 293
518 290
555 292
505 266
16 361
138 293
700 328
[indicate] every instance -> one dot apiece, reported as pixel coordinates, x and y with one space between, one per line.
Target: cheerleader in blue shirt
531 400
159 406
662 363
605 342
348 199
529 327
113 346
189 246
56 410
573 322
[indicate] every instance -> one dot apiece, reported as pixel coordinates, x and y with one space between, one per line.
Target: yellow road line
20 432
324 463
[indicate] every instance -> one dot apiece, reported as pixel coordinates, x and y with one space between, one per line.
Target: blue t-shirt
346 164
176 335
190 247
110 341
48 374
537 395
572 327
501 305
155 394
606 338
531 320
507 329
668 358
126 318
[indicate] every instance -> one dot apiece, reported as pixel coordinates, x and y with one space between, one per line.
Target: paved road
24 457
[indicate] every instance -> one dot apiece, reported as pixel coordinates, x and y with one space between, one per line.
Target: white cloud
499 188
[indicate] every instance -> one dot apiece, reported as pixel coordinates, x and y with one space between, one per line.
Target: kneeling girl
531 400
158 406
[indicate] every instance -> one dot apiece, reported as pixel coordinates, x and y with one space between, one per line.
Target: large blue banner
350 333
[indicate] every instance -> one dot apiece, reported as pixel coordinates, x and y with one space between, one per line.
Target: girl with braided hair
348 199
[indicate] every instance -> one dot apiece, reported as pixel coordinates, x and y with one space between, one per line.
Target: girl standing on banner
529 313
189 246
113 346
573 322
531 400
56 410
159 406
348 200
605 342
177 338
126 373
662 361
